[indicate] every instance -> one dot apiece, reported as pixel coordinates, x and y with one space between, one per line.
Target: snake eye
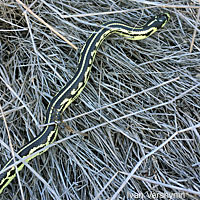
165 16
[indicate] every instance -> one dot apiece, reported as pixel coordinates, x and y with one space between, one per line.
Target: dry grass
136 124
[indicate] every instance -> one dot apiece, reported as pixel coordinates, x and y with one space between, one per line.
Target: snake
74 87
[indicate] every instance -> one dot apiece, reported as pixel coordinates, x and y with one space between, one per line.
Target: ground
133 133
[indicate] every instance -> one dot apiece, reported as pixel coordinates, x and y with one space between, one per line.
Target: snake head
158 21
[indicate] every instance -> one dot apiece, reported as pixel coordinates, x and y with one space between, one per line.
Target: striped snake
74 87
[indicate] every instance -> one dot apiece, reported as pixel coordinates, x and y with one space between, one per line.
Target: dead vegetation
136 124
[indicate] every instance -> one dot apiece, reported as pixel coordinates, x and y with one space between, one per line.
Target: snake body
75 86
